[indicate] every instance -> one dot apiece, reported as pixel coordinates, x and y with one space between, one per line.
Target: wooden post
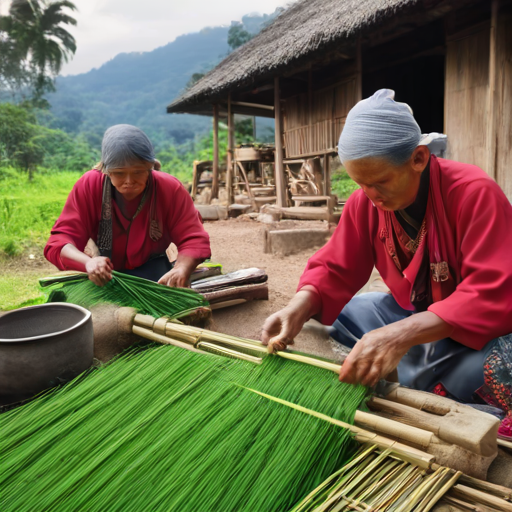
359 71
492 104
327 175
278 168
310 149
215 178
194 180
231 152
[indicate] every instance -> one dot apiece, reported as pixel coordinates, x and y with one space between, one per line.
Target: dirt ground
237 244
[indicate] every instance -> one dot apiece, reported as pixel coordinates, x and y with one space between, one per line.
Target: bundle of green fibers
165 429
147 297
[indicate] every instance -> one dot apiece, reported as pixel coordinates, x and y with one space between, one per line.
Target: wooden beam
252 105
359 71
231 152
280 181
492 103
215 178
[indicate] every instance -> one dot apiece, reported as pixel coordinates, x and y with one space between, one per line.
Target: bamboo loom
388 476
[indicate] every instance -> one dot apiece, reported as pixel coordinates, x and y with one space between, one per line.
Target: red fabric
132 247
474 237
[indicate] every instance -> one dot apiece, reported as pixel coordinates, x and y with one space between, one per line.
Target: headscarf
379 127
124 144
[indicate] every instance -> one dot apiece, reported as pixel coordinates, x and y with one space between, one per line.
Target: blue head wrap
379 127
123 145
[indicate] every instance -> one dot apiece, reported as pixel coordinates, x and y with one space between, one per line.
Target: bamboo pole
227 352
231 152
279 177
215 177
153 336
475 496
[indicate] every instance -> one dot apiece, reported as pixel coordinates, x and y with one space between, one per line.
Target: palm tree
36 27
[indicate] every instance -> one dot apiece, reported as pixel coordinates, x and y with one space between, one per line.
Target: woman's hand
178 277
281 328
99 270
378 352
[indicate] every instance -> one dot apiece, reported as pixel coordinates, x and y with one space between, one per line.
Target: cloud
108 27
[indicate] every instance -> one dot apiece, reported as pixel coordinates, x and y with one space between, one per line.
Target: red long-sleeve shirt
478 241
132 246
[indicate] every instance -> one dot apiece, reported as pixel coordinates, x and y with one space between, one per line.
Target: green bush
342 185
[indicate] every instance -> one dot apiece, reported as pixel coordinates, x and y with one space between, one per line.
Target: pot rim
87 316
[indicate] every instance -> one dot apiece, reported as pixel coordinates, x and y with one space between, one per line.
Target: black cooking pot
42 346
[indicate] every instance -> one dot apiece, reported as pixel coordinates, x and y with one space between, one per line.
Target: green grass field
28 210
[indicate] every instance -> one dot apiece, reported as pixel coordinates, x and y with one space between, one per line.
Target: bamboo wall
466 92
504 108
467 100
307 133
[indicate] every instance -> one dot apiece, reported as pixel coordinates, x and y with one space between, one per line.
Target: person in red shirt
132 212
440 234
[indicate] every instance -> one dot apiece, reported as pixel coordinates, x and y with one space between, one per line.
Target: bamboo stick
494 489
395 429
153 336
505 444
409 454
441 492
476 496
216 349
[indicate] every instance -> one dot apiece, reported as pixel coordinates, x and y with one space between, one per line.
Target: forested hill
135 88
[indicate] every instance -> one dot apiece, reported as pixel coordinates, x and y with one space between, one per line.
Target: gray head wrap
379 127
123 145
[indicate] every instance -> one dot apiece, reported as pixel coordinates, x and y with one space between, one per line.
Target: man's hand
281 328
178 277
378 352
99 270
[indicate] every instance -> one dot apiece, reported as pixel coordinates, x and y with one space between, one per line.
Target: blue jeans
457 367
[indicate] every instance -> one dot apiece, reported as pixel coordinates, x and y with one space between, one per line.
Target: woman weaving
440 234
132 212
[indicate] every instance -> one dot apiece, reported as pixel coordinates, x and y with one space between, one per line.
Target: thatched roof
304 29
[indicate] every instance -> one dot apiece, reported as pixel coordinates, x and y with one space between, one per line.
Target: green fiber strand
161 428
147 297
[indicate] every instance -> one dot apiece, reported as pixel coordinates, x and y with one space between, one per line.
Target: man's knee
369 311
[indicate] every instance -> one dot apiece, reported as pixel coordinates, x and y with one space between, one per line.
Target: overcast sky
108 27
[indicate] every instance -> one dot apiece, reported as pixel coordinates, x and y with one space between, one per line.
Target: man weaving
440 234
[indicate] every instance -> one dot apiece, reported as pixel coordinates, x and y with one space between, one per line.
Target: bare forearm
74 259
417 329
187 263
306 303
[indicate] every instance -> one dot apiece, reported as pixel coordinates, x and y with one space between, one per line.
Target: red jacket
132 246
475 234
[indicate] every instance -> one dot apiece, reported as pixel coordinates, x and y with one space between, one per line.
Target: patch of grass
342 185
28 209
20 289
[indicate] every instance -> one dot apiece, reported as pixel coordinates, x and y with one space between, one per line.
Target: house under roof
451 60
